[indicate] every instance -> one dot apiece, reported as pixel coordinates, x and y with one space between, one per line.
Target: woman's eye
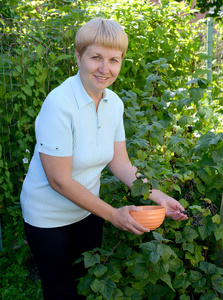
95 57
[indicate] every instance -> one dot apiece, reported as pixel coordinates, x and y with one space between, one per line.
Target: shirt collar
82 96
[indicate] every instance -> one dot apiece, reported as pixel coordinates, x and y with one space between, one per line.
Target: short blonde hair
101 32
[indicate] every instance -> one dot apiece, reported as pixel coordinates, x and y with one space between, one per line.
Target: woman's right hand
121 218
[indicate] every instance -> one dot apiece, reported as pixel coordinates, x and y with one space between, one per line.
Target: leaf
84 284
132 293
204 111
178 237
167 279
123 251
217 282
188 247
30 81
98 270
204 176
194 258
39 50
216 219
200 186
160 268
141 155
140 271
155 291
140 188
186 120
177 188
196 94
204 142
167 253
195 276
183 102
189 234
27 90
159 237
207 228
151 250
98 286
181 281
90 260
207 268
63 57
219 233
110 286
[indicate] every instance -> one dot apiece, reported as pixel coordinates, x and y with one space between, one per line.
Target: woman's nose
103 68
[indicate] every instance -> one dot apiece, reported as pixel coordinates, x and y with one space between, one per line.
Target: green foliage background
174 131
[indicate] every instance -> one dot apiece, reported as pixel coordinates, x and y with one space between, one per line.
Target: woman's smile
99 67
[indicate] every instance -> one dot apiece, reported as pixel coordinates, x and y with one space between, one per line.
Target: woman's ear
78 58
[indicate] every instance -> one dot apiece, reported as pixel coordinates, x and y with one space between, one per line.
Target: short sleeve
53 126
120 131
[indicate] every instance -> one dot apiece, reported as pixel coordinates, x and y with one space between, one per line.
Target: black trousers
55 249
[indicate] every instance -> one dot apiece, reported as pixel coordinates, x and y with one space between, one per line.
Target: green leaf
194 258
140 188
166 252
181 281
141 155
207 228
27 90
216 219
177 188
219 233
84 284
217 282
200 186
196 94
189 234
160 268
159 237
155 291
188 247
204 176
110 286
140 271
90 259
206 267
132 293
64 57
123 251
195 276
98 270
183 102
167 279
39 50
186 120
98 286
178 237
30 81
151 250
210 138
204 111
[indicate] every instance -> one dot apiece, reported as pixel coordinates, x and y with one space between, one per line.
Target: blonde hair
101 32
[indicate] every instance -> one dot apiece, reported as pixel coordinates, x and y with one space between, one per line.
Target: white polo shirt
69 125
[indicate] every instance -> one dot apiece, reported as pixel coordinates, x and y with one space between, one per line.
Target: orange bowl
149 216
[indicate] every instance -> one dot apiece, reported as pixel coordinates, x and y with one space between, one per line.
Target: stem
113 250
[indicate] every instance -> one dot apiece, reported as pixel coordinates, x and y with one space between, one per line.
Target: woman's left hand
174 209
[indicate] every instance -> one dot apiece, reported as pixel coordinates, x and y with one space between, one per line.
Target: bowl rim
151 208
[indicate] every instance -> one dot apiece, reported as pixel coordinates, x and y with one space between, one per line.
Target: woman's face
99 67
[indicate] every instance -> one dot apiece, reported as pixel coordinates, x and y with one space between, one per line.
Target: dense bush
174 136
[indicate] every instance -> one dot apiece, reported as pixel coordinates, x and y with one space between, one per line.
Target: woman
79 131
